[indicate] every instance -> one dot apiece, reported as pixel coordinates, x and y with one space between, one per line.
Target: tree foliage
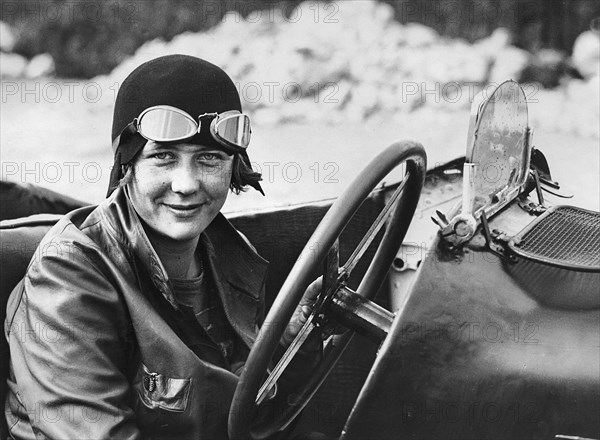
91 37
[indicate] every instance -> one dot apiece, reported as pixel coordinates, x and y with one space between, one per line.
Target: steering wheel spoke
287 357
368 238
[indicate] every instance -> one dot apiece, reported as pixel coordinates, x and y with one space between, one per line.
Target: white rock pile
356 63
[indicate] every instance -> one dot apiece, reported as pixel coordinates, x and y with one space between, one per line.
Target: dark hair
242 174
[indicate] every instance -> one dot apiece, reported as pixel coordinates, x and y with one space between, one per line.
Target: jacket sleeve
67 330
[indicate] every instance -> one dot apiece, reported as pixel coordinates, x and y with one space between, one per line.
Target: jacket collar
236 267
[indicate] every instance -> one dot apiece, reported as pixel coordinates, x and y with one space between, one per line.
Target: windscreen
499 145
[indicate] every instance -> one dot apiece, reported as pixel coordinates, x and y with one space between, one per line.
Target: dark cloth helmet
188 83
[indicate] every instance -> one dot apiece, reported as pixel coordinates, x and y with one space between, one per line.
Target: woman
138 320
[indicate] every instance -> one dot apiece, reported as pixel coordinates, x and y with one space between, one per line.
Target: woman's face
179 189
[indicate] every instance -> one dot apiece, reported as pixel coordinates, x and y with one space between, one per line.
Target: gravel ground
65 146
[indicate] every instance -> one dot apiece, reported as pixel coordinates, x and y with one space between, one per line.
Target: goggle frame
217 119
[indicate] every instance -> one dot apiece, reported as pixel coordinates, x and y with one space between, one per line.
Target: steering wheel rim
243 407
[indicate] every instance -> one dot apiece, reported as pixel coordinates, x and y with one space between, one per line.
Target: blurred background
328 84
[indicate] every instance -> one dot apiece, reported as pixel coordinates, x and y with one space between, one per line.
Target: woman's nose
185 180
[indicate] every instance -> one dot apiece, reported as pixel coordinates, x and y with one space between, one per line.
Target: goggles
163 123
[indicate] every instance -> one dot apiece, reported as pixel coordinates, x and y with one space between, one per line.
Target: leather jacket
93 354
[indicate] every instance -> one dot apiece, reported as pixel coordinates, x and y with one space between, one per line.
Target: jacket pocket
159 391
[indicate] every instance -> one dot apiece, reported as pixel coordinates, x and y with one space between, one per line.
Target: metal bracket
538 187
499 251
531 207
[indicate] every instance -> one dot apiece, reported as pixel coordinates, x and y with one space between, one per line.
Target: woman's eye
162 155
209 157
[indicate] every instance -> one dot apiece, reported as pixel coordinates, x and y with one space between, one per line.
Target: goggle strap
115 173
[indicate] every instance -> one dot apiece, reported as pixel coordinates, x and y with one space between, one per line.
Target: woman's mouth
184 210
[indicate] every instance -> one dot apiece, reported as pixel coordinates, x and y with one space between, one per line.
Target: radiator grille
564 236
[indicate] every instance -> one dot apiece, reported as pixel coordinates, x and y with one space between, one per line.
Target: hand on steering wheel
302 313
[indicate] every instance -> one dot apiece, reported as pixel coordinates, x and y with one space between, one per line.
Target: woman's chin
182 234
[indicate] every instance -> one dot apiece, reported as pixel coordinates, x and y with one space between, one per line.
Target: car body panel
475 355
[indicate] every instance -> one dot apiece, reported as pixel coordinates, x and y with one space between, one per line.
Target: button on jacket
94 347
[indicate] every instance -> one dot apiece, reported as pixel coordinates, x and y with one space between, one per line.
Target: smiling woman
177 190
157 299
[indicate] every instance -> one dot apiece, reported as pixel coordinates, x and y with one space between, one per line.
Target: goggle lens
166 125
234 129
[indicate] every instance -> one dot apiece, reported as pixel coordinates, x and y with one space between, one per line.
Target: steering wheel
400 208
